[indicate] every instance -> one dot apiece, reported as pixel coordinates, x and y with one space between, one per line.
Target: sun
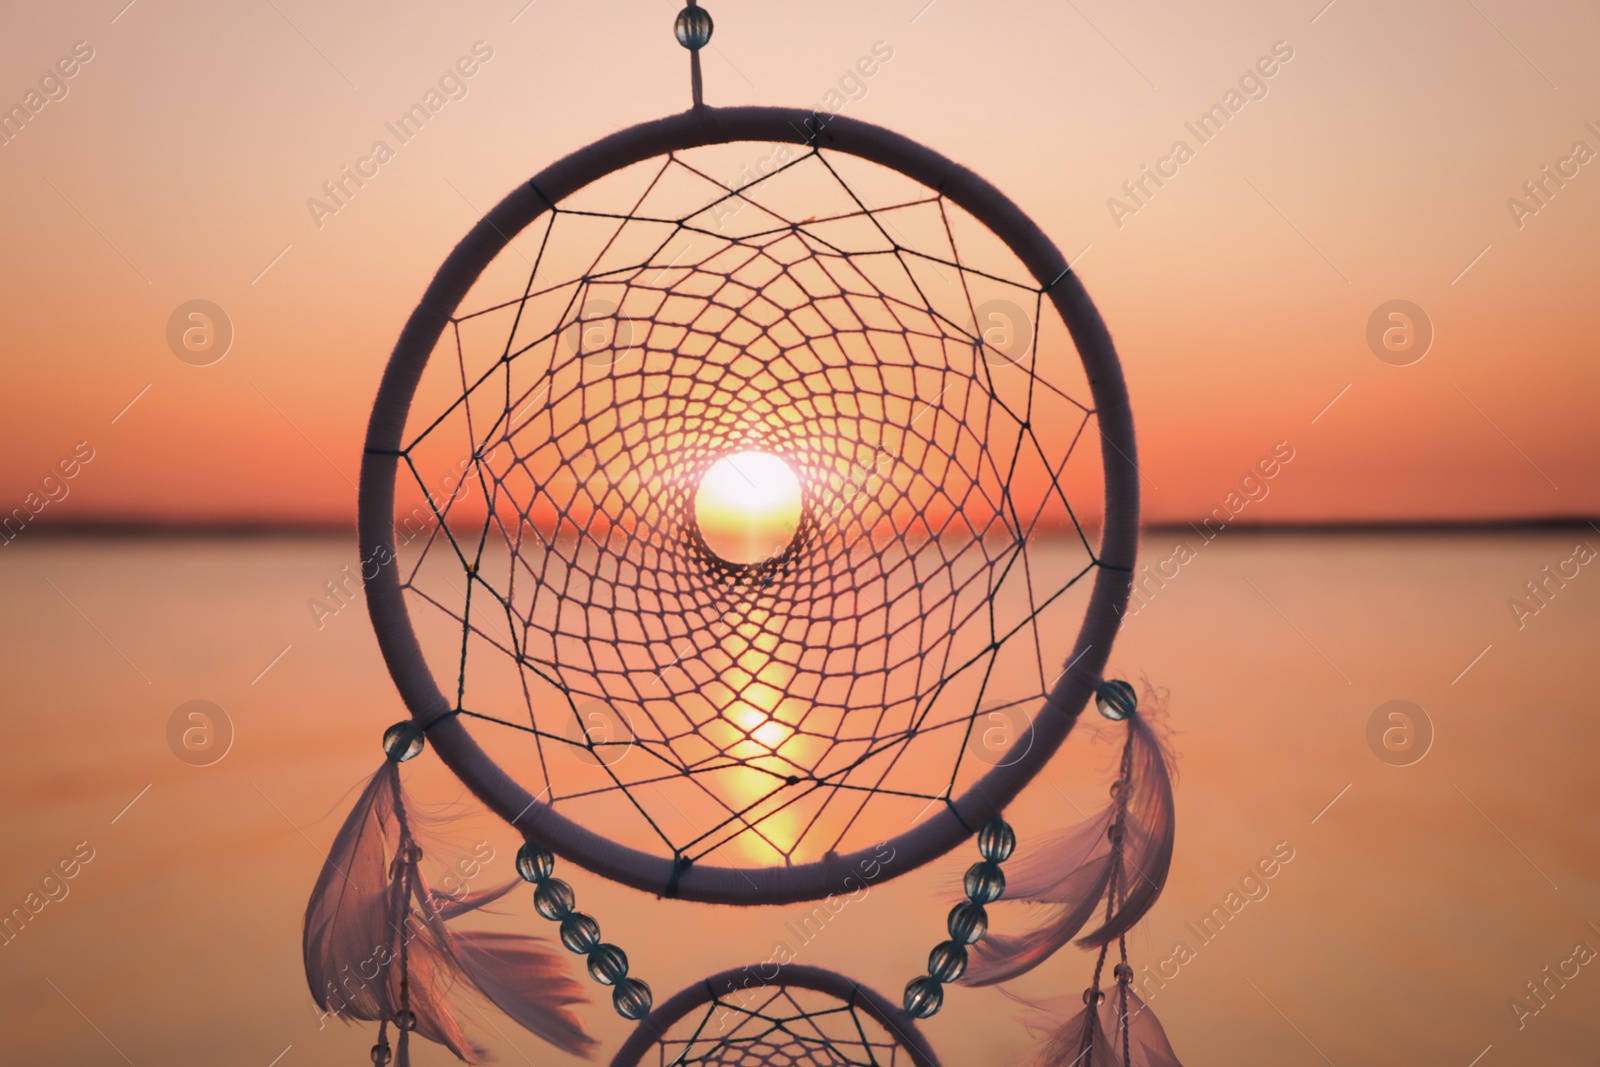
748 507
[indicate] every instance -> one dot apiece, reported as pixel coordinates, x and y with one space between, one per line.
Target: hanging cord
1092 996
407 856
1124 973
693 30
1115 888
696 84
1124 979
380 1051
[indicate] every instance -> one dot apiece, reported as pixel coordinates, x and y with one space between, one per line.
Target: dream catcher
379 946
1104 873
797 1016
729 477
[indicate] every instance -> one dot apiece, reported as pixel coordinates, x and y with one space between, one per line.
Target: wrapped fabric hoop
399 643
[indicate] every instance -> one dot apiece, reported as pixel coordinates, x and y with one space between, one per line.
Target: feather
527 983
357 929
1094 1039
513 972
1037 876
450 907
999 957
431 977
1149 825
1147 1041
1080 1040
376 939
1076 870
347 920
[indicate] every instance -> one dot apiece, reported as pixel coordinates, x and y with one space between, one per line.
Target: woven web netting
895 357
782 1027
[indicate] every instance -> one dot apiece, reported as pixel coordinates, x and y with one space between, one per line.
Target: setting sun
748 507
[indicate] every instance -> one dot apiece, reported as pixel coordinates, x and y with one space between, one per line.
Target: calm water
1413 911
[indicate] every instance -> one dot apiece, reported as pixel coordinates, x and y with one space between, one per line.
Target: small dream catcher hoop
703 488
797 1016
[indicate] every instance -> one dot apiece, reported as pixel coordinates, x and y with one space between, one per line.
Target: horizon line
179 529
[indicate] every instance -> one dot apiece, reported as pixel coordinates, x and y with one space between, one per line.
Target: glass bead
579 932
631 998
402 741
948 961
411 853
1093 996
535 862
693 28
405 1019
554 899
985 882
608 964
1123 973
1116 699
380 1054
996 841
968 923
924 997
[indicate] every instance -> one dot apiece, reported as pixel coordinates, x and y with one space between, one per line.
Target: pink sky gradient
1378 165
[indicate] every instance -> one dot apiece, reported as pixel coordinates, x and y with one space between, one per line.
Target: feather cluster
1116 862
1117 1032
377 941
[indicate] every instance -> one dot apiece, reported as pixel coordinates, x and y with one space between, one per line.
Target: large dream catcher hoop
810 671
726 507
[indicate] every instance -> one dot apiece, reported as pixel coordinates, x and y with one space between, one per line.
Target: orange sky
1377 165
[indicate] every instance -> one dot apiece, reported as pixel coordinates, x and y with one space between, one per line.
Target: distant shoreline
150 529
1395 526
